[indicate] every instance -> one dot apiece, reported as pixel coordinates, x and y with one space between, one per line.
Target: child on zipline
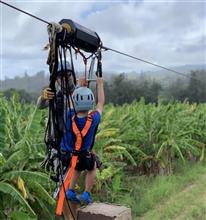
83 101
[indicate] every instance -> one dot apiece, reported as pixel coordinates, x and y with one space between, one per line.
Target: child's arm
100 95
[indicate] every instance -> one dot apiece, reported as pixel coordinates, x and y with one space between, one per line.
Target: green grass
181 196
186 204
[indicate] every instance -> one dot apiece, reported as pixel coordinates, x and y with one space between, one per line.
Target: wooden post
67 212
103 211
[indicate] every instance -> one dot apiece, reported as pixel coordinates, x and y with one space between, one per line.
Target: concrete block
104 211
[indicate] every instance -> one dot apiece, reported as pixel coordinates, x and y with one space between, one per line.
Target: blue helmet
68 66
83 99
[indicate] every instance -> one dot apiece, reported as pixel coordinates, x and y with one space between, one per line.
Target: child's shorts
85 161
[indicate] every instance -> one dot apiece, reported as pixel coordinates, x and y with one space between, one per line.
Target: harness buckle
76 152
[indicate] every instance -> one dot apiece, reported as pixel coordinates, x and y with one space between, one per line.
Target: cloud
166 32
152 31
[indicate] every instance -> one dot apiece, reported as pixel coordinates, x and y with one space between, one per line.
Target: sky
168 33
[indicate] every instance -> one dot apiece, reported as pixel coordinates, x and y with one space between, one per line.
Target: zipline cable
145 61
33 16
107 48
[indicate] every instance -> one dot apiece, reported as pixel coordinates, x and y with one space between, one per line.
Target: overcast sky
168 33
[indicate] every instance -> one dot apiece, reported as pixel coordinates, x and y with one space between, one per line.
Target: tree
177 90
22 95
122 90
197 86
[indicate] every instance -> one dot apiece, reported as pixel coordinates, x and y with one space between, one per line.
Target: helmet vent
77 97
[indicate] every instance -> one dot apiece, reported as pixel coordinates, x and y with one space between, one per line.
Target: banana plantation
137 139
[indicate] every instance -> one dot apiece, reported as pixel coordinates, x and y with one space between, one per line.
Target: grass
186 204
181 196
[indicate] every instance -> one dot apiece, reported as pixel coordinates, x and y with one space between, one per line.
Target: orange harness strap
78 144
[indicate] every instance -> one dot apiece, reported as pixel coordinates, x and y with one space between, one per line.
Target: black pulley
79 36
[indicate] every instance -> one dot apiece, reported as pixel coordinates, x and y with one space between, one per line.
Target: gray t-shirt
42 103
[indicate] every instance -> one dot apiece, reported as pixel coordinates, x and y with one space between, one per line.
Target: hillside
35 83
165 77
31 84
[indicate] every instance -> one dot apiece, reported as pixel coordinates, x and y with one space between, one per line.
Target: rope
57 106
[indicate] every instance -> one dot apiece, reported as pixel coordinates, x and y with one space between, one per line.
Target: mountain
35 83
162 74
31 84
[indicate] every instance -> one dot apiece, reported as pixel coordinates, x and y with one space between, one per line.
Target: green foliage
23 96
132 139
21 151
162 197
15 194
150 138
194 90
19 215
122 90
181 196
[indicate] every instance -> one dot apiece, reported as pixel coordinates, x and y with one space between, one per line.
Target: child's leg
90 179
74 179
71 194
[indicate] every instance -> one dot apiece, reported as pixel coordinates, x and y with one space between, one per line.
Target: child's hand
82 82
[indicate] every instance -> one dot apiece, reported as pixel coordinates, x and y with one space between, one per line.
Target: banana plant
23 186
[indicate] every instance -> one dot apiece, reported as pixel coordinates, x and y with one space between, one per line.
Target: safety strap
79 138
